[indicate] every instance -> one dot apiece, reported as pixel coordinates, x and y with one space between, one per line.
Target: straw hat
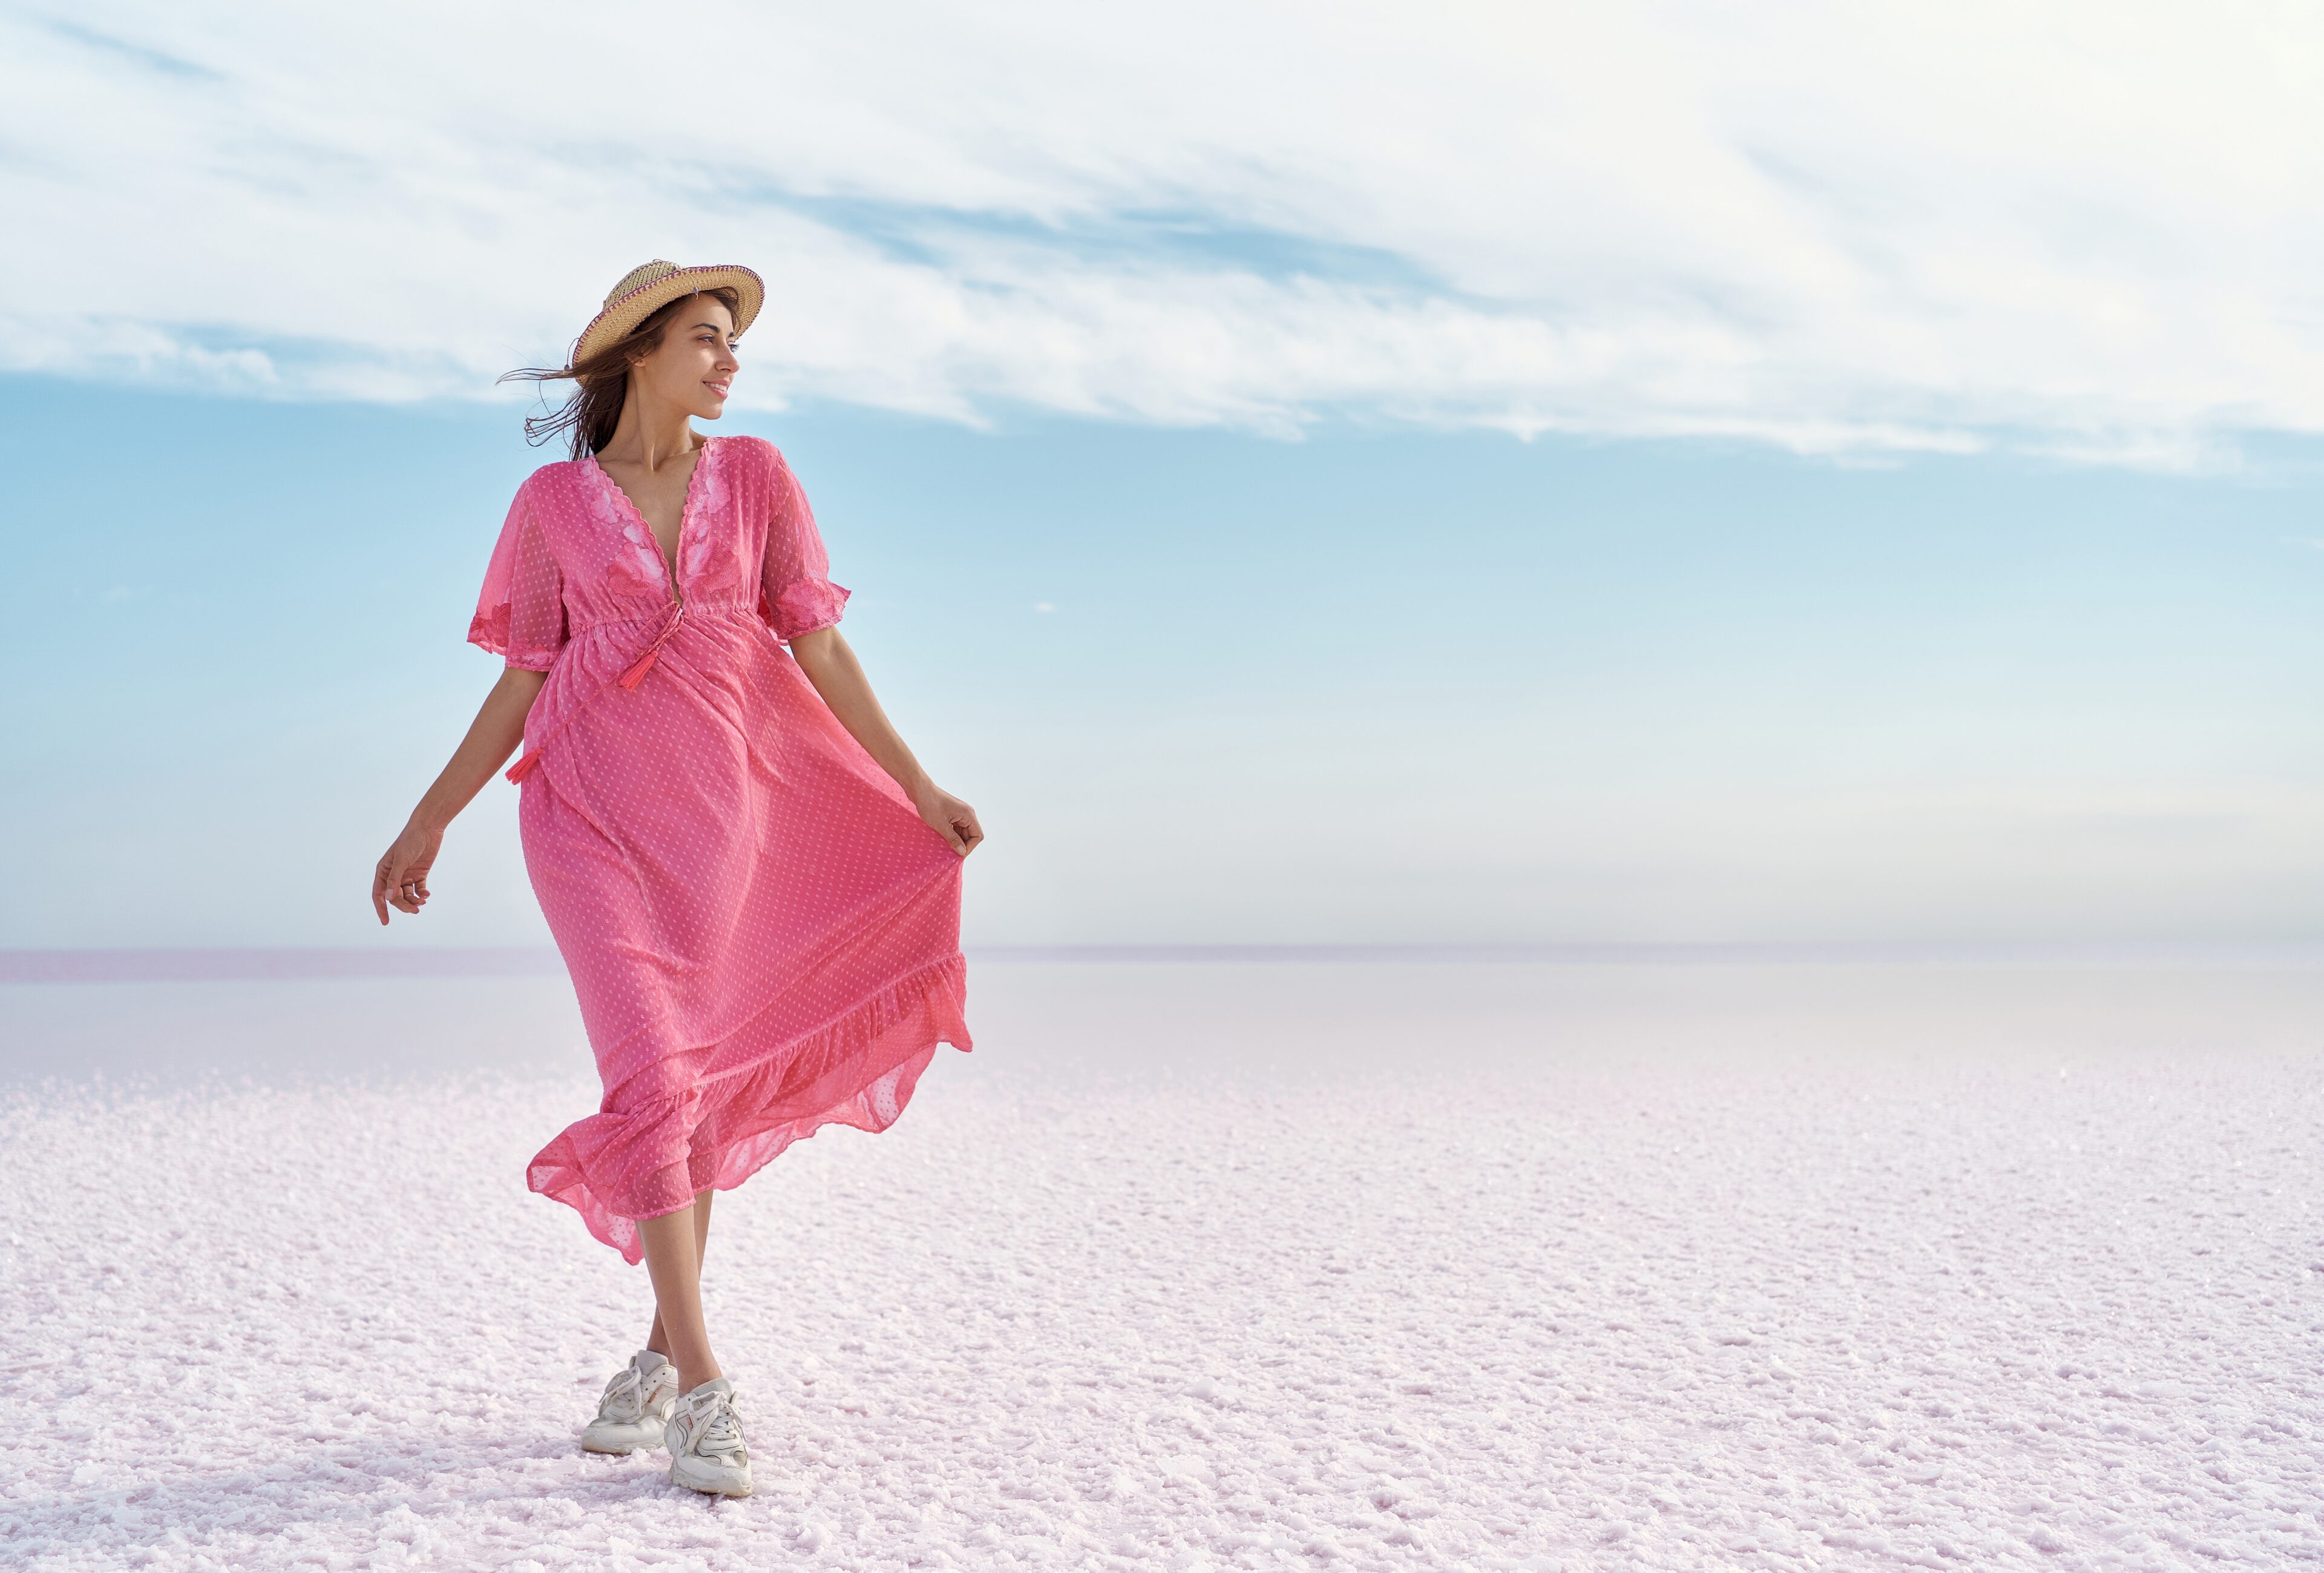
644 290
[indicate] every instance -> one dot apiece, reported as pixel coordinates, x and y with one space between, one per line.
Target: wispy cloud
136 55
2086 230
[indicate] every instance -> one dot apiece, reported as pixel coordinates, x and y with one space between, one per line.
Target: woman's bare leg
674 1244
657 1340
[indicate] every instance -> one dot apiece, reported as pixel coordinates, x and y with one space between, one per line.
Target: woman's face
694 365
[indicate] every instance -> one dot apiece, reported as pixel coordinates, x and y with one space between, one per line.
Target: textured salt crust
1655 1317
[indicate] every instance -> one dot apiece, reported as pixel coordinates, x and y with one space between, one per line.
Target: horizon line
258 963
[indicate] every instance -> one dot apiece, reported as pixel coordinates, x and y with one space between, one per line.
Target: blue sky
1368 686
1494 472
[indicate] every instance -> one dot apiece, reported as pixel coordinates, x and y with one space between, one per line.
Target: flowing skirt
763 935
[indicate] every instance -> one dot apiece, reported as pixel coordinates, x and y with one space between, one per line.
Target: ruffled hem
489 632
805 606
732 1127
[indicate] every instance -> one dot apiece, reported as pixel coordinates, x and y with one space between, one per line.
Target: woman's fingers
389 888
969 832
399 879
399 882
952 819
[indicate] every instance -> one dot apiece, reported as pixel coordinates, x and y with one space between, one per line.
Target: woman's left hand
950 818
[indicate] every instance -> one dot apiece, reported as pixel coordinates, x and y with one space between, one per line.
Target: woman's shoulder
557 469
754 451
558 478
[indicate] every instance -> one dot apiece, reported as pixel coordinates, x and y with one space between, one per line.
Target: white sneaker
705 1442
636 1406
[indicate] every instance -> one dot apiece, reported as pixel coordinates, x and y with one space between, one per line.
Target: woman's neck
650 439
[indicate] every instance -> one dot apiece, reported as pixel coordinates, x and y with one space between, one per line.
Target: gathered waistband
693 607
669 620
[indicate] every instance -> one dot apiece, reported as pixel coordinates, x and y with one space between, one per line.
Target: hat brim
624 312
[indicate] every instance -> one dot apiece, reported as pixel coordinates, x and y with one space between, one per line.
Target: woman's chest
613 552
660 497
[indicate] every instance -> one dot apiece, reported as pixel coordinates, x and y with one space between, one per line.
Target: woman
754 884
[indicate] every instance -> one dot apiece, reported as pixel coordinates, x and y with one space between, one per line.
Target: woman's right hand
400 879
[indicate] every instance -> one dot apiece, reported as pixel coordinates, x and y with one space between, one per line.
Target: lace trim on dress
807 605
490 632
645 551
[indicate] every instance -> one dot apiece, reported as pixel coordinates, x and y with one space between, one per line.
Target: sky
1349 473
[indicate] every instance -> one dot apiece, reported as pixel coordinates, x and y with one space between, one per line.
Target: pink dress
763 934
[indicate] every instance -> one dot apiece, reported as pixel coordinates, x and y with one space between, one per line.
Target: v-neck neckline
670 564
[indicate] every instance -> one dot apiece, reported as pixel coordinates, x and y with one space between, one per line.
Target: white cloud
2088 230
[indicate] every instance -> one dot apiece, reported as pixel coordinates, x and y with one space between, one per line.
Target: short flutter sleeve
795 595
521 612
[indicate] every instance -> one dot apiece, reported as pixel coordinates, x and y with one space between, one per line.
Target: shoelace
712 1426
624 1397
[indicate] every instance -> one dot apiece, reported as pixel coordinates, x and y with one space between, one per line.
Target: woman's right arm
400 879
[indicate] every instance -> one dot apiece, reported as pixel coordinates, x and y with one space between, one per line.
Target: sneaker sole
723 1488
617 1449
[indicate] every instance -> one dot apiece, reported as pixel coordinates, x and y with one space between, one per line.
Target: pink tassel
628 679
631 678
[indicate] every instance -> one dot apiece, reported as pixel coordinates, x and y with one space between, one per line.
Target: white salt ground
1618 1296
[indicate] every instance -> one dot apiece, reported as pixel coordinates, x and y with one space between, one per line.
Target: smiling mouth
719 388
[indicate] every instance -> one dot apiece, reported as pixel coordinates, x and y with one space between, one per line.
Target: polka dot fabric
763 935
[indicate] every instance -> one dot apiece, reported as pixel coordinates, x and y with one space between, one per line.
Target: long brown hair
594 408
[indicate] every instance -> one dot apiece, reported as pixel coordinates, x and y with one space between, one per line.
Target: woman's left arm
832 666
